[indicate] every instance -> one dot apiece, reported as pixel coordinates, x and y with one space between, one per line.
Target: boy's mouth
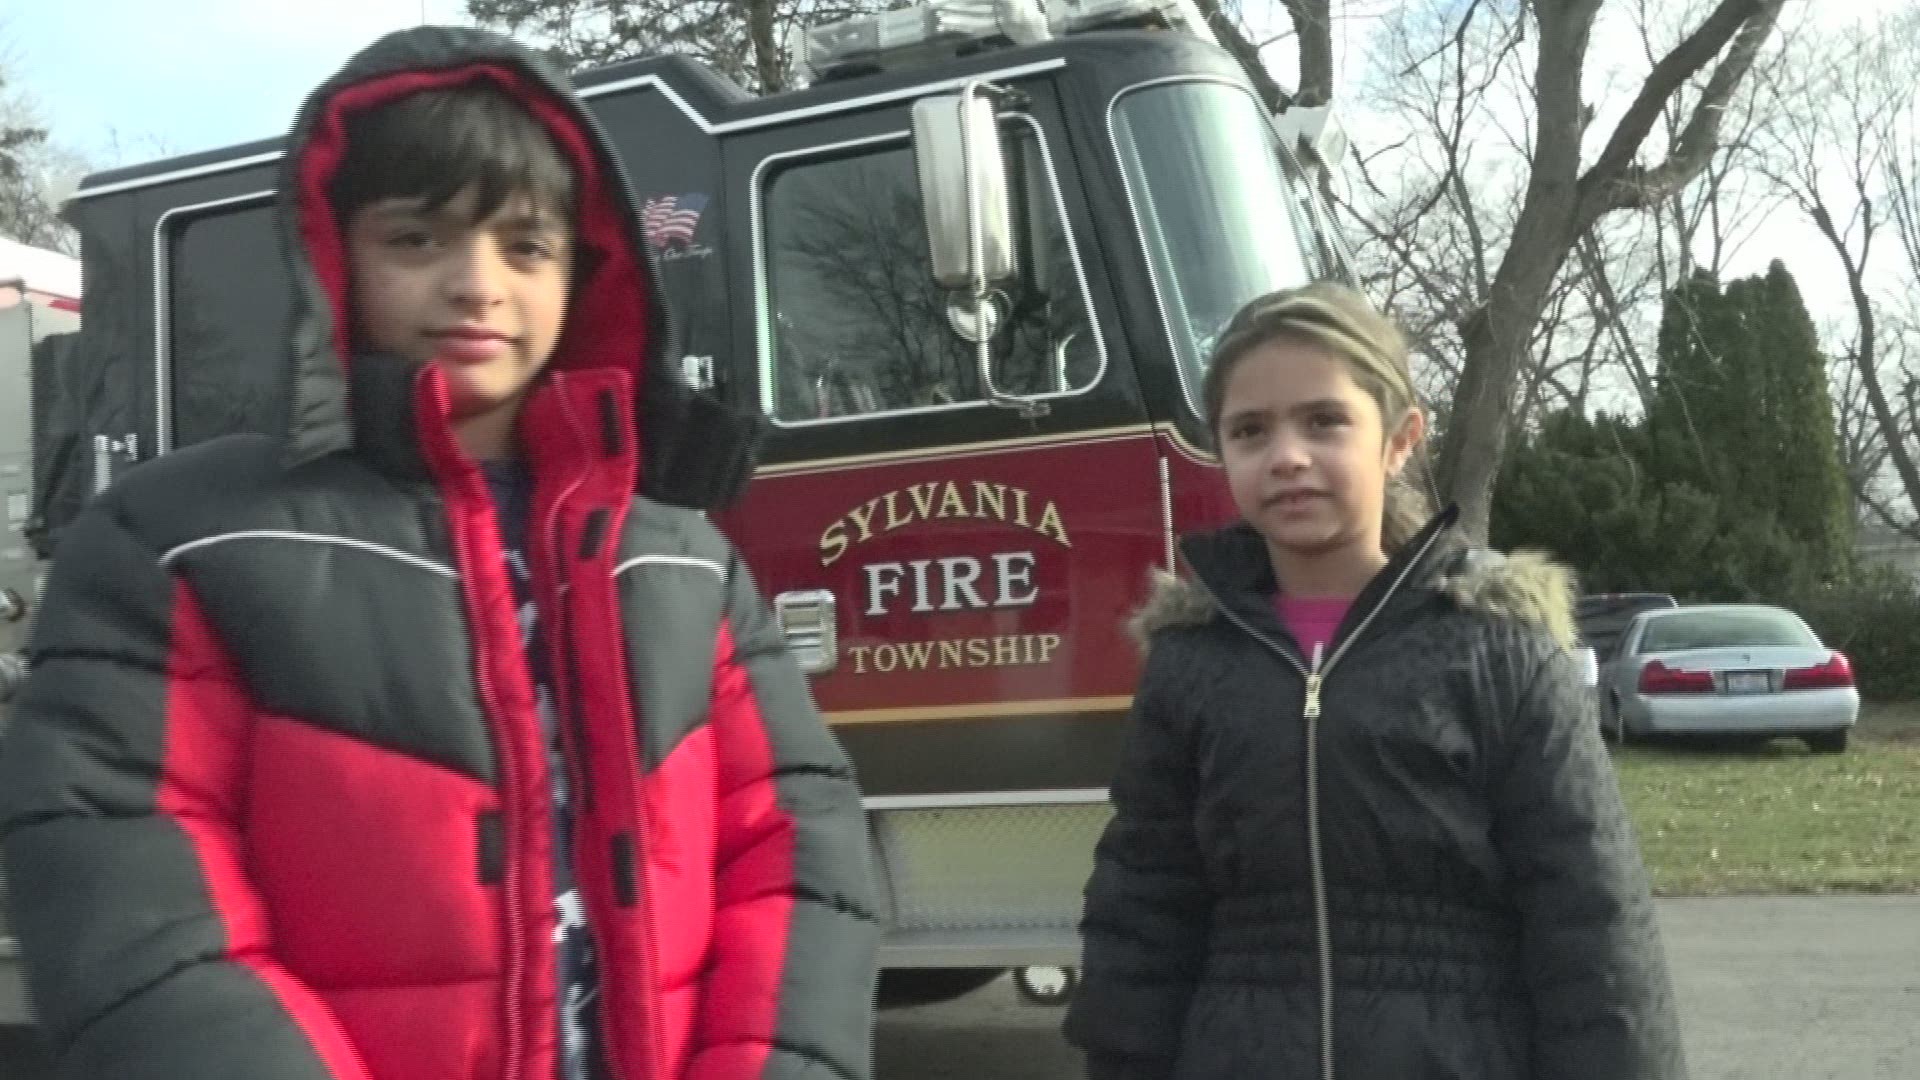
1293 500
468 345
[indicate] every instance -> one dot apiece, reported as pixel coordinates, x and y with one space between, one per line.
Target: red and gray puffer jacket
275 802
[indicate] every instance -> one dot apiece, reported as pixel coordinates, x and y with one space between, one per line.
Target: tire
905 988
1828 742
1612 724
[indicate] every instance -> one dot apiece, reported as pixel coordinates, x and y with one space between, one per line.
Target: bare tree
1842 148
34 175
1440 204
746 40
1234 24
1628 264
1562 201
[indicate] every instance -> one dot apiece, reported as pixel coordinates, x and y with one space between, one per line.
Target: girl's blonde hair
1342 322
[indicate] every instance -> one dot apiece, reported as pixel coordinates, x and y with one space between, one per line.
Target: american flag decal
669 220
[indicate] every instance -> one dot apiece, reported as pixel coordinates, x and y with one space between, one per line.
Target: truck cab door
955 575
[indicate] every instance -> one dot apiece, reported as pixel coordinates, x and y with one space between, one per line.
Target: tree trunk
1313 22
768 64
1866 355
1496 340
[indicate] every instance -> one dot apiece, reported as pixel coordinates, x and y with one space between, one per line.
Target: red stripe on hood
607 319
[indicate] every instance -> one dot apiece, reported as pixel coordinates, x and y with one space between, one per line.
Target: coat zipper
563 594
1316 677
511 782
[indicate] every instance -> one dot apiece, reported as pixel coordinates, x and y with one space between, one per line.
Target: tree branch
1614 182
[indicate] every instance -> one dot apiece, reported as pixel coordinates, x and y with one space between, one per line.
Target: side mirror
963 190
963 194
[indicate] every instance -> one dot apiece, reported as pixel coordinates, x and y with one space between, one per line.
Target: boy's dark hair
435 144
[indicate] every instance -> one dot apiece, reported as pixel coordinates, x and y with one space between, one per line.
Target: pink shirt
1313 622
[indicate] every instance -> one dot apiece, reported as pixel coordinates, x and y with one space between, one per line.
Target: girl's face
1306 453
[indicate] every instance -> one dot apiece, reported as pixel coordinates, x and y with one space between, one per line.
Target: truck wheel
904 988
1051 987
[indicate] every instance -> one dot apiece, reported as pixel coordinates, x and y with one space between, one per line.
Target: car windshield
1226 217
1736 628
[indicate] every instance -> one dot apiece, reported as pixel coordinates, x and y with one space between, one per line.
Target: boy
426 740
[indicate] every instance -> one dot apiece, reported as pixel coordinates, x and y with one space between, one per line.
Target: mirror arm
982 288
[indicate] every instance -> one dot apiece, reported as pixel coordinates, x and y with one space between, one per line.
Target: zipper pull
1313 682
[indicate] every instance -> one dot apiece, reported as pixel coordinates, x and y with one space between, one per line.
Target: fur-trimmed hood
1529 586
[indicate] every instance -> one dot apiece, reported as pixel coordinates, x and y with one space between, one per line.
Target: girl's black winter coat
1432 879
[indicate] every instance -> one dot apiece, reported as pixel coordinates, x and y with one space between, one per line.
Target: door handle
810 621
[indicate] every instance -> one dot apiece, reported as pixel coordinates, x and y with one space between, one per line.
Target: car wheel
1828 742
902 988
1618 725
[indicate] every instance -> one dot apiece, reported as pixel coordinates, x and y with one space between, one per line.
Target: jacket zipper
511 783
573 711
1316 676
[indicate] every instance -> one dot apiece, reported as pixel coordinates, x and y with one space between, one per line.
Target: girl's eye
535 249
1245 430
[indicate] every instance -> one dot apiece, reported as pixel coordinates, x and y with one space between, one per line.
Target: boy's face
484 301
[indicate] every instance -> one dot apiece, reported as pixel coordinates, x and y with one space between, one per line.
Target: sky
124 81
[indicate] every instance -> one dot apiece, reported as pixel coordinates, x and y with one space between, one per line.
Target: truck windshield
1224 215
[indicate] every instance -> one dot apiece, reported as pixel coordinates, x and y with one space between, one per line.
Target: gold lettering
950 654
862 518
1048 643
916 655
894 520
977 654
1006 652
1052 526
833 543
1020 508
923 499
951 505
989 500
860 658
885 658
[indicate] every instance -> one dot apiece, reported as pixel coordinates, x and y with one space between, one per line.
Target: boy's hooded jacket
275 802
1437 867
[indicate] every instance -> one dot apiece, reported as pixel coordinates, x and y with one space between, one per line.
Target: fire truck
39 311
969 274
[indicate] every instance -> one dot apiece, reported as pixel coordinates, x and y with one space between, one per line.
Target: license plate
1748 682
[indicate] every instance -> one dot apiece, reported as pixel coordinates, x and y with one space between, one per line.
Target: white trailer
39 298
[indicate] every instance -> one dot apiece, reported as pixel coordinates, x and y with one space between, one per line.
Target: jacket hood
1528 586
694 451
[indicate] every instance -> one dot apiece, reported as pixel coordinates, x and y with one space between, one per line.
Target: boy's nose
476 276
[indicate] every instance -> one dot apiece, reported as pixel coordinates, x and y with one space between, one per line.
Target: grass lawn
1777 819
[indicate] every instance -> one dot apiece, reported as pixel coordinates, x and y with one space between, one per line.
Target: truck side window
227 312
857 326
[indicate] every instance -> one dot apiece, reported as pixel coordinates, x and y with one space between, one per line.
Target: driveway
1771 988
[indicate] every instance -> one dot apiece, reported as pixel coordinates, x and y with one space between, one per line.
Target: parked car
1728 669
1603 617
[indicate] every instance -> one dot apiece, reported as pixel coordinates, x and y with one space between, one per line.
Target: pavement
1770 988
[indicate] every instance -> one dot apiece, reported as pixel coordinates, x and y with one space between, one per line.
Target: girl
1365 826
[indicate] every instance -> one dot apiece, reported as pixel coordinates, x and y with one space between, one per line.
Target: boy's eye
1245 429
1326 421
410 239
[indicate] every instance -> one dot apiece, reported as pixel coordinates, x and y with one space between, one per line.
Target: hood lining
607 316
